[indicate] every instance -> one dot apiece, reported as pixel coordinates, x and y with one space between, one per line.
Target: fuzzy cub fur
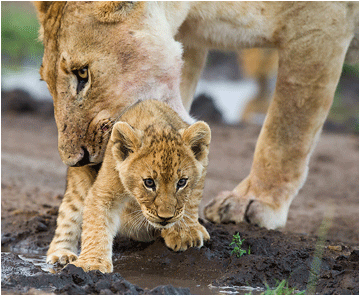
150 184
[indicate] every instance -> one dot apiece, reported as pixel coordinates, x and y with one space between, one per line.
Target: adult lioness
101 56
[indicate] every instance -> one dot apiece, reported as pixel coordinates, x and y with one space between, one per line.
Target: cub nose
164 220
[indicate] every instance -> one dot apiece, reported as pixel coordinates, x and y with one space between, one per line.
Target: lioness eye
83 73
82 76
181 183
149 183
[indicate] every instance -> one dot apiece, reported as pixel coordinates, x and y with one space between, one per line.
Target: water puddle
146 275
39 261
142 275
27 269
235 290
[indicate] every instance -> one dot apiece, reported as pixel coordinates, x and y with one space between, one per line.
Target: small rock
102 285
53 211
41 227
354 256
125 287
335 248
72 289
58 197
106 292
169 290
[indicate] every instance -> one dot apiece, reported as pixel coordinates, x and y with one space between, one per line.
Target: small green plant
319 251
237 242
282 289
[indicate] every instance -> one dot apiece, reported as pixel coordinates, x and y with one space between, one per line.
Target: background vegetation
19 33
20 49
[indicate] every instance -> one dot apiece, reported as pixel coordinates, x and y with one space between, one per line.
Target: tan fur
157 50
149 141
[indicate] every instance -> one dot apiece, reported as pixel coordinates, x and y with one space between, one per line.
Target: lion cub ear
198 136
112 11
126 140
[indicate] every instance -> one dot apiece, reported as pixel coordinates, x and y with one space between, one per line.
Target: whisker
132 221
148 228
138 226
132 213
135 226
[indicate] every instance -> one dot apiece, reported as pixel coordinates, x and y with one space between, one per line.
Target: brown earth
33 181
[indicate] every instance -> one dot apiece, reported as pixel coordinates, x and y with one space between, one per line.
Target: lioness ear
198 137
42 7
48 12
126 140
112 11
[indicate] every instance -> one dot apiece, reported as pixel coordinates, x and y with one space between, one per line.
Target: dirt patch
33 181
274 256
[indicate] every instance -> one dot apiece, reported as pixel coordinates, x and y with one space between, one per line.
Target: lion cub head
161 166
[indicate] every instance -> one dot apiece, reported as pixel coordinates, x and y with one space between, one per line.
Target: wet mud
152 268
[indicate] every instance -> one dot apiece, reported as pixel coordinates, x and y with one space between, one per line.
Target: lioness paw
264 215
181 240
62 256
230 207
105 266
226 208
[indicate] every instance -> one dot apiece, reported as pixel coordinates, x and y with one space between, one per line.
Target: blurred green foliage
19 34
351 70
344 111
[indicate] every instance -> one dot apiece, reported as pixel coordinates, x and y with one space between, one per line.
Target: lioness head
161 167
100 57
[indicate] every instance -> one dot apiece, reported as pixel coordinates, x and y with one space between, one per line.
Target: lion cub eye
181 183
149 183
82 76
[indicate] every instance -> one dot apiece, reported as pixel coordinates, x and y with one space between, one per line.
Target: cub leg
63 248
188 232
101 221
310 65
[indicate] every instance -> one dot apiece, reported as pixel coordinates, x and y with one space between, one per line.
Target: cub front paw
61 256
105 266
184 238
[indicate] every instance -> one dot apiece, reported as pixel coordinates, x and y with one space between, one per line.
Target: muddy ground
33 181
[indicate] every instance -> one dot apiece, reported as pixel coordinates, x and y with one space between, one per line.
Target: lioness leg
63 248
310 65
194 61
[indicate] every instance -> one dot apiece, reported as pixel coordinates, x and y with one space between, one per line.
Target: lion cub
150 184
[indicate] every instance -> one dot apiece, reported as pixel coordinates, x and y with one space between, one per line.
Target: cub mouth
162 224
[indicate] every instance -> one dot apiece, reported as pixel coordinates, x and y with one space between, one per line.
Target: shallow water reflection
144 276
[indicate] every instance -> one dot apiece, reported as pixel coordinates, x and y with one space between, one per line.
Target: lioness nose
85 158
